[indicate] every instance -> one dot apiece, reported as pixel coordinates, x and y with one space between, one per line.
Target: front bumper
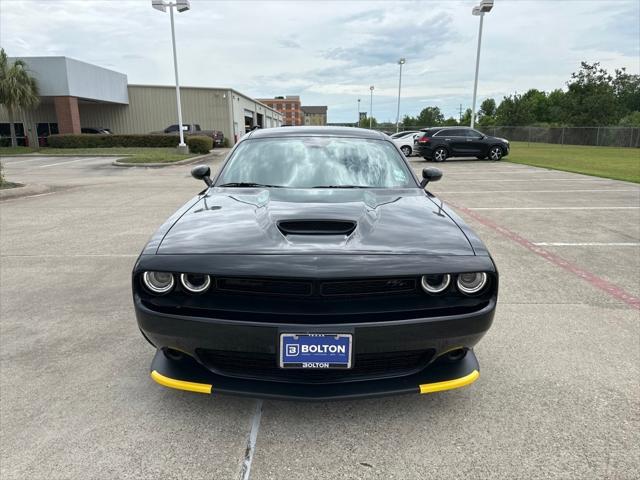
194 335
186 374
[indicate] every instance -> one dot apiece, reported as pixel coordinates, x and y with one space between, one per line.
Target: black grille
268 286
364 287
264 286
264 366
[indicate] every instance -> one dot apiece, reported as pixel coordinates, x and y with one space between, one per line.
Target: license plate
315 351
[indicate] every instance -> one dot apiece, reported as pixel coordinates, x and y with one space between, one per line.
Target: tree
631 120
513 111
466 117
591 97
450 122
487 113
18 90
556 107
627 90
430 117
364 121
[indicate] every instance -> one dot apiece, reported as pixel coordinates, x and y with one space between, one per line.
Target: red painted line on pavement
591 278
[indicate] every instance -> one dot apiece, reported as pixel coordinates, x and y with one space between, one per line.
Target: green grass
6 151
137 155
608 162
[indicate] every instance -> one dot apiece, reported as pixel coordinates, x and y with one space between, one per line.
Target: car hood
250 221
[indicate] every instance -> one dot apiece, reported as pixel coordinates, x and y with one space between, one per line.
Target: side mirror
202 172
430 175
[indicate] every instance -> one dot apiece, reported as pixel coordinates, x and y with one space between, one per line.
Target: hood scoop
317 227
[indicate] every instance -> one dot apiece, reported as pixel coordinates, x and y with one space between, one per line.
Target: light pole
371 108
181 6
401 62
485 6
358 113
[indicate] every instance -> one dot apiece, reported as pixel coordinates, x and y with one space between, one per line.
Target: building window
5 134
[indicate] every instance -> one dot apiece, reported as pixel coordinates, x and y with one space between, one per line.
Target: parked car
442 142
405 141
194 129
404 133
96 130
313 266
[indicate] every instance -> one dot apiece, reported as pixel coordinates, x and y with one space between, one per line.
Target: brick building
289 107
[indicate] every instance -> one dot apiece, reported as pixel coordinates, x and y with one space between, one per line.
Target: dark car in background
96 130
440 143
194 129
314 266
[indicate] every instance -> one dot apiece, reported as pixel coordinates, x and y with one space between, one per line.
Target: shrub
199 144
226 143
97 141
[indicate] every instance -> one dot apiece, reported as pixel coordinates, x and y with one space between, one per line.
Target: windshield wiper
341 186
248 185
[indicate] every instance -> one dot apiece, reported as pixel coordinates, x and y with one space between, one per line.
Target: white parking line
497 180
245 472
74 255
554 208
588 244
585 190
70 161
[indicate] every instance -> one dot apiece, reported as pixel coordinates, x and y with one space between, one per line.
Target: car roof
282 132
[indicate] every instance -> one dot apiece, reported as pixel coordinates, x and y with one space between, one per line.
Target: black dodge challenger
314 266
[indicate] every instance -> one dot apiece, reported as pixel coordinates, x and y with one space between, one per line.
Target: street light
358 113
181 6
401 62
371 108
485 6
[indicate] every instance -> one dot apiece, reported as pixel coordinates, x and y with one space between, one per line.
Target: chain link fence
593 136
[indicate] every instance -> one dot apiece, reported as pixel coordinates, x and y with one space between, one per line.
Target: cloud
330 52
289 43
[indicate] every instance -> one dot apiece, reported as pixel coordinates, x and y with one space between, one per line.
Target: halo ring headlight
435 283
471 283
195 285
158 282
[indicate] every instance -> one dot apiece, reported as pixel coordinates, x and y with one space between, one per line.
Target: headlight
158 282
195 282
435 283
471 283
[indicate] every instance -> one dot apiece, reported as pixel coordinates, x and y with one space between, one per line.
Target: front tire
440 154
406 150
495 153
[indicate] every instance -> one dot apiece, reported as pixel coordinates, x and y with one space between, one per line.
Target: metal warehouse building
77 95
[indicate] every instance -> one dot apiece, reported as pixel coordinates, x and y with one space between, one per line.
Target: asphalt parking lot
558 395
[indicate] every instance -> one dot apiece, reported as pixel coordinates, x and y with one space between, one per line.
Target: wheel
495 153
440 154
406 150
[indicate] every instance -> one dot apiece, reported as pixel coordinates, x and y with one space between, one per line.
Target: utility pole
460 118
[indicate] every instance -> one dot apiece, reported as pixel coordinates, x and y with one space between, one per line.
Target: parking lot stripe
70 161
554 208
585 190
251 442
588 244
591 278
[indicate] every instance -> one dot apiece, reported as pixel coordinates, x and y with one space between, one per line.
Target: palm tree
18 90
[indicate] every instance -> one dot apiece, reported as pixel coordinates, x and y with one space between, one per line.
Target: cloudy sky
329 52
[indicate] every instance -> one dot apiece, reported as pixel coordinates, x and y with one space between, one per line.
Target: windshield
317 162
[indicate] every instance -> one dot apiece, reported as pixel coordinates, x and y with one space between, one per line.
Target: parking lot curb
24 191
186 161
